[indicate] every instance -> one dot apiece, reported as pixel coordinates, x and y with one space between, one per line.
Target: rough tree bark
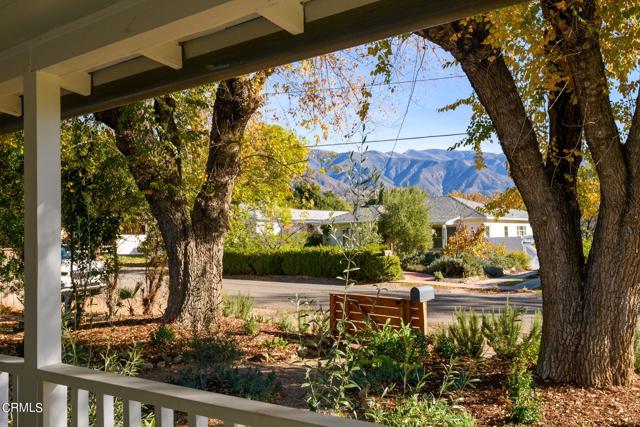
590 306
193 235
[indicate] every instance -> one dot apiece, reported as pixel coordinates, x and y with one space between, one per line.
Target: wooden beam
286 14
79 83
169 54
11 87
11 104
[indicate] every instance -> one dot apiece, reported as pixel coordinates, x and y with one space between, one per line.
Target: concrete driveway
273 295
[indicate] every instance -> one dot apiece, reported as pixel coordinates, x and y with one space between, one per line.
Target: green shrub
163 336
419 258
206 352
321 261
438 276
251 326
238 306
249 383
276 343
530 346
391 356
493 271
443 343
502 331
419 411
525 405
521 260
466 333
503 262
284 323
464 265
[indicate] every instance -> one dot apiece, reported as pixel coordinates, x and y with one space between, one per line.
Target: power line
399 82
406 111
409 138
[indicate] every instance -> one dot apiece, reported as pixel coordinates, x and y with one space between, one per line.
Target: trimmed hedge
321 261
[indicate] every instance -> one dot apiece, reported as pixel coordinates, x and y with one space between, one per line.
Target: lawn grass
512 282
133 261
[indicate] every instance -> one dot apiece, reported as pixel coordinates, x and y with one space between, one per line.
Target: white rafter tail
79 83
286 14
169 54
11 104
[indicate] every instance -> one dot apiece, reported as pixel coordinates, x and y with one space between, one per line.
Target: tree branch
497 91
549 201
576 26
237 99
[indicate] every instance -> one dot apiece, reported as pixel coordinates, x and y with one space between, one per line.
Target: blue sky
422 117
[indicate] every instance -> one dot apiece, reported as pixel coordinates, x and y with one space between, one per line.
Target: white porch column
42 318
444 236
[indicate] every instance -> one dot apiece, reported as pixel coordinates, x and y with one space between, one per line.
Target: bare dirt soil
561 405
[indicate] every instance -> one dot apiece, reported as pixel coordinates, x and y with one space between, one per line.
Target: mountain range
438 172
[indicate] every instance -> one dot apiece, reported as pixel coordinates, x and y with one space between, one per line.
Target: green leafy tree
309 195
190 194
404 222
11 214
98 195
544 74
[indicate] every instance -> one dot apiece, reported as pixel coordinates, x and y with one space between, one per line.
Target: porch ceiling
113 52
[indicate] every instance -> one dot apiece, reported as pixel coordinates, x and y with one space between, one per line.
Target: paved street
273 295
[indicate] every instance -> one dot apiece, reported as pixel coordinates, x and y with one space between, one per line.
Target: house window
522 230
506 231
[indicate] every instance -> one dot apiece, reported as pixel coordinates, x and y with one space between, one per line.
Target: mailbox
422 293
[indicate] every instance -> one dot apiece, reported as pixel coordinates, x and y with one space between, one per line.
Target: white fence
199 406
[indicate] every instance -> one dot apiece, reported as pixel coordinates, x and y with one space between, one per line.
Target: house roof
311 216
300 216
448 208
366 214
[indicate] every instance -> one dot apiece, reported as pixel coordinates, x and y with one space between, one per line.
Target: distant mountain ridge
438 172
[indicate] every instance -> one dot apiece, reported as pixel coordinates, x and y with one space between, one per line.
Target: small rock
177 359
161 364
260 357
147 366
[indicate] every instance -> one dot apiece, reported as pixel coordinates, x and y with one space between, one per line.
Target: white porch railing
200 406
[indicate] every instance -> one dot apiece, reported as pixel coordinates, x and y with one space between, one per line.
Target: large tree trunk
193 235
590 309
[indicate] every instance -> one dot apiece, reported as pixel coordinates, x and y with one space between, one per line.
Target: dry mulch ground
562 406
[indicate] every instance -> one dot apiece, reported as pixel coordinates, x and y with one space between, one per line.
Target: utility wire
406 111
400 82
409 138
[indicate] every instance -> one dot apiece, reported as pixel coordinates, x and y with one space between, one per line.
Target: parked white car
90 279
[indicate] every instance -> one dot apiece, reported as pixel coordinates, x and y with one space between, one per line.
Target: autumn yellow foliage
467 241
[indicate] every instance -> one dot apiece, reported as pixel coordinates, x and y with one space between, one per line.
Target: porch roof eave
249 40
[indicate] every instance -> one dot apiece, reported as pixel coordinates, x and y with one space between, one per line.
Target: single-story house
448 213
341 224
292 219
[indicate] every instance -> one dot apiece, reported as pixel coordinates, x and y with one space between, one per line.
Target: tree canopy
309 195
404 222
556 83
